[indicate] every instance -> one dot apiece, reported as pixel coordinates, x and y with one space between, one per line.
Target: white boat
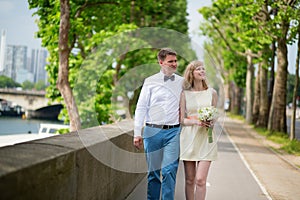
45 130
51 128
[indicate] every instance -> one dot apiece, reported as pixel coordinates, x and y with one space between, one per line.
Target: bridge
29 100
35 104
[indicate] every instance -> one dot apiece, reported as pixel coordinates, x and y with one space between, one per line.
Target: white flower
207 113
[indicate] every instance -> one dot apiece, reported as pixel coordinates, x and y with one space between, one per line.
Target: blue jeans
162 155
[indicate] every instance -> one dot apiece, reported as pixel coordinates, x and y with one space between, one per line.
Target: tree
234 24
253 30
91 22
40 85
261 91
6 82
286 12
27 85
64 50
296 91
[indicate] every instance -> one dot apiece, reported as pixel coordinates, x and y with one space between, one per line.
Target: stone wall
95 163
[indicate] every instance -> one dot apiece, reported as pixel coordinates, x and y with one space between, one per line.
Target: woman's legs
190 173
201 177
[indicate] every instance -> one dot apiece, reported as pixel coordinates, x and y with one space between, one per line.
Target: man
158 106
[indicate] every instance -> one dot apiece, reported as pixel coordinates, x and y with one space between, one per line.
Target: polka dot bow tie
172 78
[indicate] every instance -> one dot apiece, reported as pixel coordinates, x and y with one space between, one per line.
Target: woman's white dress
194 145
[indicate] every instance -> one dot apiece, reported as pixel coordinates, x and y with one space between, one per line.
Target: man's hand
138 142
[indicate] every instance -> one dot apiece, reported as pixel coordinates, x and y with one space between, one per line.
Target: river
17 125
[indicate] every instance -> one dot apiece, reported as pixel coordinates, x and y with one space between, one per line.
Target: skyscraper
15 61
15 64
38 64
2 51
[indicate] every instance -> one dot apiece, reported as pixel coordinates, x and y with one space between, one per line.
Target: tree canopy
92 22
248 37
6 82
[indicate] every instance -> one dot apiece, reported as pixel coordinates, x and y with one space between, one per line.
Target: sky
20 26
17 20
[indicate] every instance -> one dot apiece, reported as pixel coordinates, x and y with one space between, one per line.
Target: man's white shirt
158 102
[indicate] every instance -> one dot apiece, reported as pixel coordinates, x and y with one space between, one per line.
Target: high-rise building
15 64
38 64
15 61
2 51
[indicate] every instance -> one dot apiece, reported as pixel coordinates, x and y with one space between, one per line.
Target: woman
195 149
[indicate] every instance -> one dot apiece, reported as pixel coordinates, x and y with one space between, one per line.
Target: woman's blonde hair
189 77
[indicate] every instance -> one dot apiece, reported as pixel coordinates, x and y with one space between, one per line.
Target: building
15 64
2 51
15 61
38 64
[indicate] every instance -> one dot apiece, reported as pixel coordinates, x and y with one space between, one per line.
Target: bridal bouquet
207 114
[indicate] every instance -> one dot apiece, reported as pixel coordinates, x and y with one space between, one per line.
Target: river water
17 125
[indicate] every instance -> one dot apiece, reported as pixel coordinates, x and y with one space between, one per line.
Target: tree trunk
272 76
238 99
294 105
235 97
256 101
63 72
277 115
262 120
231 90
249 88
264 103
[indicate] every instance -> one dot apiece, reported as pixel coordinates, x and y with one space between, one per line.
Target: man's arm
140 113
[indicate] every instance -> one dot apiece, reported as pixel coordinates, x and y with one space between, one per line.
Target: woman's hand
207 124
193 120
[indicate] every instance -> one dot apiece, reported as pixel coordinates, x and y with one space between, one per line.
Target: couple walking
169 103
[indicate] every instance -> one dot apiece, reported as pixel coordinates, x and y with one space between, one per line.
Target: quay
101 163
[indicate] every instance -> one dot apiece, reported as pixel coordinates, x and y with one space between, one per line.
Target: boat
51 128
45 130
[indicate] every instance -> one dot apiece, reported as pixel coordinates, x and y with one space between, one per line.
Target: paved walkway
278 173
246 169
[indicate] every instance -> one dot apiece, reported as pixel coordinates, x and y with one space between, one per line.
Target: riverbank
17 125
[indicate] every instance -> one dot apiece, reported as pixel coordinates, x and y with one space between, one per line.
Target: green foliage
103 99
278 137
237 28
235 116
63 131
6 82
27 85
289 146
292 147
244 25
93 74
40 85
235 21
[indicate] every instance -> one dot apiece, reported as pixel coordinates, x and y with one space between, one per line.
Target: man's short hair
162 54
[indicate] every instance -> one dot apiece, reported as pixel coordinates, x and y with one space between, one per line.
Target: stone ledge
69 167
